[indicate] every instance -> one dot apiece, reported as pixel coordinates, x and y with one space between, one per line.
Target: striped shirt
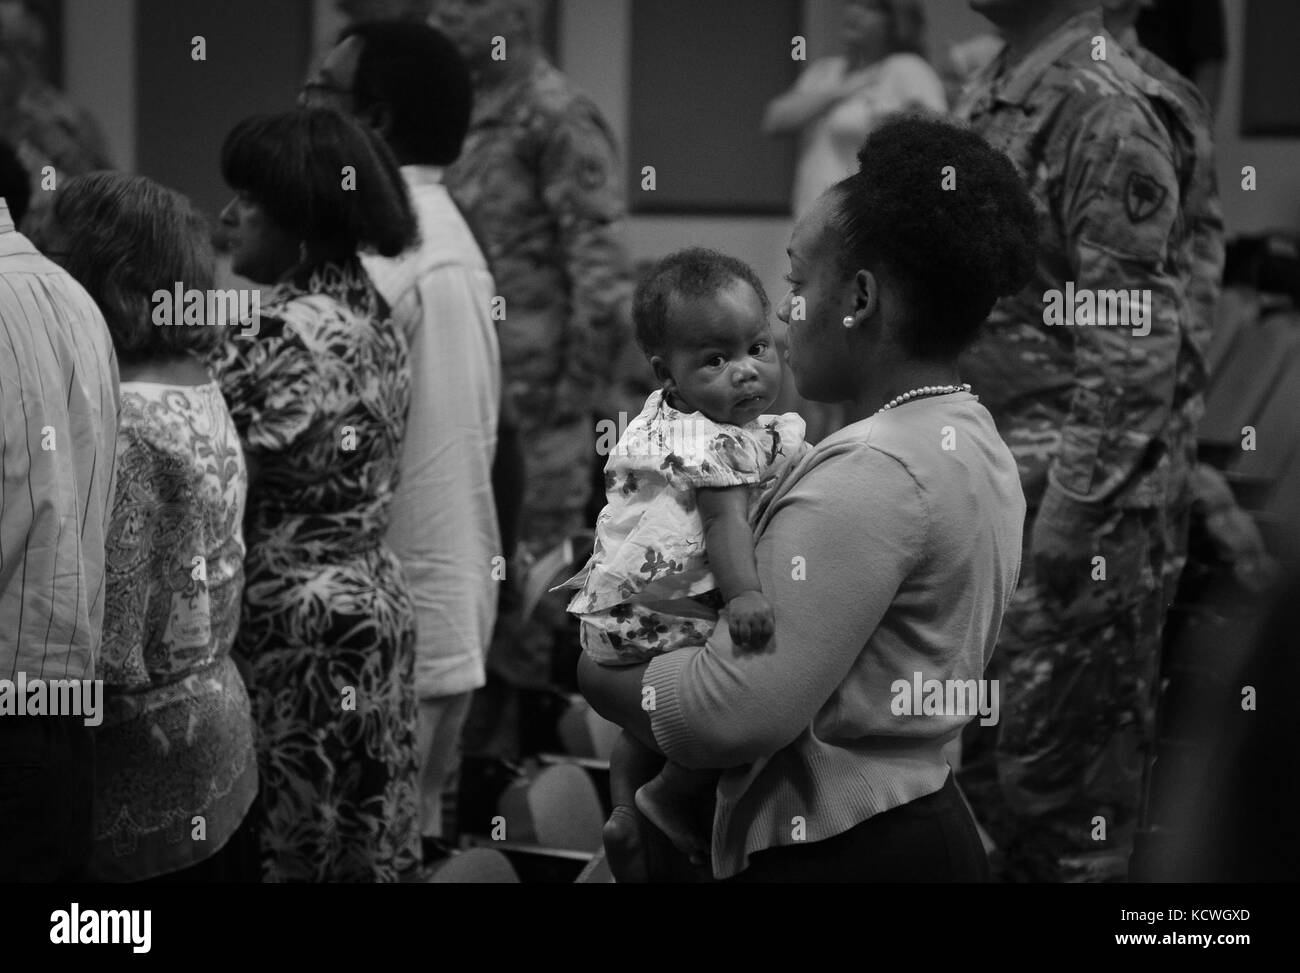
58 435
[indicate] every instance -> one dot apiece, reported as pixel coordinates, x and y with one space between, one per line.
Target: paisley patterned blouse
320 396
175 767
650 538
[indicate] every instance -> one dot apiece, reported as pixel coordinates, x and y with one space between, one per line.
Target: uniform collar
6 220
1019 82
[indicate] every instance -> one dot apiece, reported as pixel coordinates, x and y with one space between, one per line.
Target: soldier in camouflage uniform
540 185
1097 417
1190 121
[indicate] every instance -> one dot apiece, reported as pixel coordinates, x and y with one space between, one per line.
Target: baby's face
723 360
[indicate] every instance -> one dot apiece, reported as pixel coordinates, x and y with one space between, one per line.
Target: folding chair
476 865
559 808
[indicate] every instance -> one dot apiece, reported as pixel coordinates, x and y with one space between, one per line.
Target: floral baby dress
648 588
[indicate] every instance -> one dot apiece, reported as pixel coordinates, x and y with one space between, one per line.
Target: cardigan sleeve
837 546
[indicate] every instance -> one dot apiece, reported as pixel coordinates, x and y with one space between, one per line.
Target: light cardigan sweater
892 549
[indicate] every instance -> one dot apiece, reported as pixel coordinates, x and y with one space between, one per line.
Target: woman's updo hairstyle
947 216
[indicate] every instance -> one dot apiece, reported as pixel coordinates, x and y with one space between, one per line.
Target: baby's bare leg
674 802
630 766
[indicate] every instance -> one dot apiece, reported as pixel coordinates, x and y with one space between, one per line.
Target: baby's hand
750 620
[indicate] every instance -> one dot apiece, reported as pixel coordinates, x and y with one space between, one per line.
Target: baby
674 545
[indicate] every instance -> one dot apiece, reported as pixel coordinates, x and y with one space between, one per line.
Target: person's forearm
788 114
729 540
715 707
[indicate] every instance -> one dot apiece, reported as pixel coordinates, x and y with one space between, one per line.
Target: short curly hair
691 273
948 215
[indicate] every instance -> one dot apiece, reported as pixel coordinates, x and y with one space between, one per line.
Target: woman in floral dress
176 743
318 387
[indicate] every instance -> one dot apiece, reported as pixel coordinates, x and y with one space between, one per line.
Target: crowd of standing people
292 548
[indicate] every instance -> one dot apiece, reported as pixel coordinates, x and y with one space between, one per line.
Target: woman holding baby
890 549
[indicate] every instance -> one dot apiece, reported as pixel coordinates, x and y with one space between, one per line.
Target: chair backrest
585 733
559 808
482 865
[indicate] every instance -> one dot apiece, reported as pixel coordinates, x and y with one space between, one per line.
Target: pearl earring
848 320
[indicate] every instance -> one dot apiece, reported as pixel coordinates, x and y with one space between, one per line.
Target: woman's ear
866 294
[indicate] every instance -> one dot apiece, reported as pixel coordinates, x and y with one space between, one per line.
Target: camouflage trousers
1079 676
558 467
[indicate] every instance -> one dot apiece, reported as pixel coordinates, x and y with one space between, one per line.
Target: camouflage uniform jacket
49 130
1088 408
1191 124
539 183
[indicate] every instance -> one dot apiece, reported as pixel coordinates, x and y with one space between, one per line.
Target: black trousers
47 784
932 839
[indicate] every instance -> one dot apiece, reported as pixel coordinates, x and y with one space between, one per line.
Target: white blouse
830 143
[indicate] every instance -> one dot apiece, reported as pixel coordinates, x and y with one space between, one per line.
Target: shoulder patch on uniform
1143 197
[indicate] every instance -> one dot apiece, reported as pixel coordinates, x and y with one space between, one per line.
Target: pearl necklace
921 393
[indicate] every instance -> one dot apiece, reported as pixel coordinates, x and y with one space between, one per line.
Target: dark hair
404 10
128 237
418 72
691 273
292 163
953 250
15 183
906 26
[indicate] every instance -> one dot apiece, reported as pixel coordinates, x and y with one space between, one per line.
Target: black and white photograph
648 442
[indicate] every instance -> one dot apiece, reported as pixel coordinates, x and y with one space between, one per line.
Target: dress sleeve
272 384
712 455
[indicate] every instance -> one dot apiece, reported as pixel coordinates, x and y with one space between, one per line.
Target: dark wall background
1270 70
702 73
184 108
